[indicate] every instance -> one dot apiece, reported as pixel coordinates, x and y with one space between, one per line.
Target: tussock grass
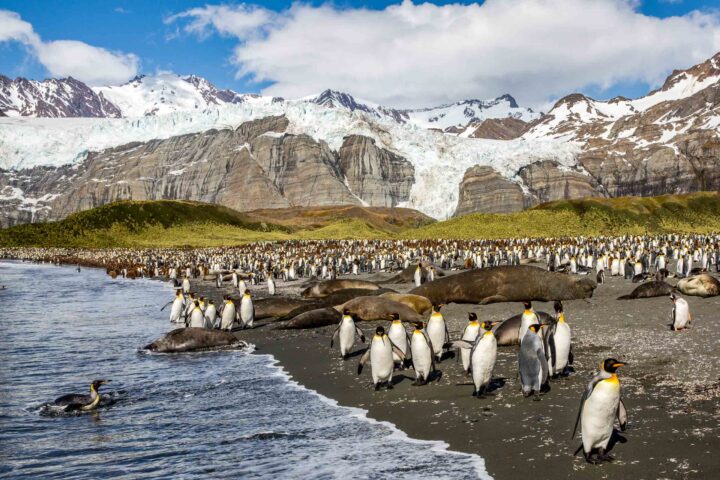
194 224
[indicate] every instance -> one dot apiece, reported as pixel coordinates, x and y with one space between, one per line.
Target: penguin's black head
247 292
97 383
394 316
527 305
346 311
418 326
535 327
611 365
436 307
558 306
380 331
472 316
673 297
197 303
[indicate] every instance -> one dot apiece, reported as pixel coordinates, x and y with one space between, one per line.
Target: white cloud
415 55
63 58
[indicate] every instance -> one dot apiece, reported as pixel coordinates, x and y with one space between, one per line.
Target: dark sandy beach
671 388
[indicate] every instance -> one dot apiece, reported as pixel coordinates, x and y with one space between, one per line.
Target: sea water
228 414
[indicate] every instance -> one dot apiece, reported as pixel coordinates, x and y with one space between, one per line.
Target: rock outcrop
484 190
378 176
257 165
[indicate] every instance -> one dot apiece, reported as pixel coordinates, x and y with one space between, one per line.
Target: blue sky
138 27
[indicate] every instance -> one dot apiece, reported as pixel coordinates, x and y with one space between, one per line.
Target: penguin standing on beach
529 317
345 333
399 336
271 285
532 364
437 331
680 313
210 315
197 317
422 355
470 334
178 307
483 354
418 275
558 346
600 405
247 310
380 355
228 315
186 285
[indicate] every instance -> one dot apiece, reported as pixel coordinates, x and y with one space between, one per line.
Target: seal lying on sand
702 285
649 289
277 306
407 275
193 339
335 298
506 284
416 302
320 317
507 331
378 308
323 289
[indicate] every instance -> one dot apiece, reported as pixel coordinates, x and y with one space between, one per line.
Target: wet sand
671 388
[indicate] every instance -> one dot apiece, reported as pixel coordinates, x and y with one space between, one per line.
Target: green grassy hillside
182 223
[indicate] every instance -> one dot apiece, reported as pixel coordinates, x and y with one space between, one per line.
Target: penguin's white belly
598 415
197 320
210 315
228 317
422 356
271 287
470 336
436 332
176 311
381 360
483 361
398 336
246 313
562 347
347 336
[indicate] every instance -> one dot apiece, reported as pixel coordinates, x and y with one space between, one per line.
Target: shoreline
674 424
671 388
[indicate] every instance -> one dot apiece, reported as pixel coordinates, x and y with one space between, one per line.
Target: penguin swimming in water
380 355
680 313
75 402
532 364
422 355
470 334
399 336
483 354
345 333
600 405
247 310
558 347
437 331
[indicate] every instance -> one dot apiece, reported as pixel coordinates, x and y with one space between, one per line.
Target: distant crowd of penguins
545 347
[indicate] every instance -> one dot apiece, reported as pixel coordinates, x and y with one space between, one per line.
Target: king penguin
247 310
437 331
600 405
532 363
345 333
228 315
529 317
680 313
422 355
558 347
483 354
472 329
399 336
380 355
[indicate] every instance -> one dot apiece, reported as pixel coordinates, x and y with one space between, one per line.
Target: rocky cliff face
257 165
378 176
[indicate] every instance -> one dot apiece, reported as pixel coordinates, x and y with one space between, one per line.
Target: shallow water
222 414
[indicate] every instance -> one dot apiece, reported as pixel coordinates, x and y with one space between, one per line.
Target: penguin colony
545 347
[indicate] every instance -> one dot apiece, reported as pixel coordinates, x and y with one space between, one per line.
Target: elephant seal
407 274
323 289
416 302
648 290
193 340
702 285
277 306
335 298
320 317
506 284
378 308
507 331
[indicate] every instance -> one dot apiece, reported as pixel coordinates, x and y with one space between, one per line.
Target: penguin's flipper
622 415
359 333
461 344
543 364
398 352
335 335
167 305
552 350
363 360
571 356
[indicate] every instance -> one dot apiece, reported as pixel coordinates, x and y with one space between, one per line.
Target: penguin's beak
619 364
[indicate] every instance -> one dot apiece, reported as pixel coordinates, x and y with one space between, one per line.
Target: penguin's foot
377 387
604 456
346 356
536 397
389 386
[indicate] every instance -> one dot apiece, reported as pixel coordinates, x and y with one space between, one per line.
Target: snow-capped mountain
166 93
65 97
665 142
